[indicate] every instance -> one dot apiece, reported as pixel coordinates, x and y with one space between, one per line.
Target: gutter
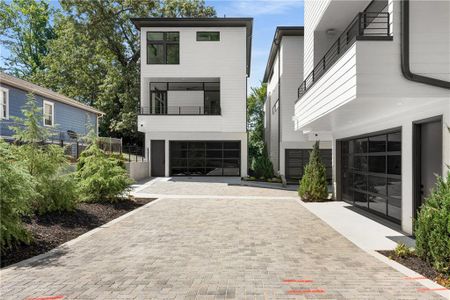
405 51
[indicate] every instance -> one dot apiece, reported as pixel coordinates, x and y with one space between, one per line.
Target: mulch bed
53 229
420 266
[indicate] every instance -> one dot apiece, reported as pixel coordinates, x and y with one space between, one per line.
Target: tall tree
95 57
255 121
25 29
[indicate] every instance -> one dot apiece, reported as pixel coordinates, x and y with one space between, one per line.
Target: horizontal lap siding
314 10
336 87
66 117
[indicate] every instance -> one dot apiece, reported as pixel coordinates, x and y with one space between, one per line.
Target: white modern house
193 94
377 80
288 150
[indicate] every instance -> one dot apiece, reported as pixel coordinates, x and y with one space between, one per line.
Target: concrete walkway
212 240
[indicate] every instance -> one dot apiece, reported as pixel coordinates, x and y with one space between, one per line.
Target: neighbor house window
4 103
212 36
49 114
163 47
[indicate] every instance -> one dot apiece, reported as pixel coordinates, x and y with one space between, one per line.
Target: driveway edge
75 240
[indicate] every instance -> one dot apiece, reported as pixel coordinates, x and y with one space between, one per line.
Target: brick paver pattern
187 248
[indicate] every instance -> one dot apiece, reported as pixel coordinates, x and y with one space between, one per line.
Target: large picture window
371 173
163 47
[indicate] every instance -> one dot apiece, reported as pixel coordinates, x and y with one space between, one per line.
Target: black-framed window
159 98
208 36
371 173
163 47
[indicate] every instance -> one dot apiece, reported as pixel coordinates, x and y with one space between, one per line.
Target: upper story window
4 103
211 36
49 113
163 47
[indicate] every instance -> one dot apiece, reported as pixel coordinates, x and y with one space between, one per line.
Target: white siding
313 12
335 88
272 97
225 59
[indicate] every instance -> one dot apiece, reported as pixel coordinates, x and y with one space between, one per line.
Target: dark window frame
350 154
164 42
210 40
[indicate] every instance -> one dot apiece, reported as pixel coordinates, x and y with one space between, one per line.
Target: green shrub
17 188
432 227
262 166
101 177
46 163
313 185
403 251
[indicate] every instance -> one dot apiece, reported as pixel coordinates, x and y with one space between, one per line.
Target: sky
267 14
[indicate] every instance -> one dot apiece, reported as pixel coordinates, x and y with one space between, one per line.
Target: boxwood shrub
432 227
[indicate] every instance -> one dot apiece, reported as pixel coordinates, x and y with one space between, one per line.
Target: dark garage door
296 160
205 158
371 173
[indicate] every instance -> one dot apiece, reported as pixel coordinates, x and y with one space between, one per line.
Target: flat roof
202 22
279 33
44 92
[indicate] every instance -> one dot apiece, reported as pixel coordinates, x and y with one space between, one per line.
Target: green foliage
101 177
95 57
46 163
313 185
432 227
255 122
403 251
262 166
17 188
25 29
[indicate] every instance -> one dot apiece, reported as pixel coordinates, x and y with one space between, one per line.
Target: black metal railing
180 110
133 153
365 26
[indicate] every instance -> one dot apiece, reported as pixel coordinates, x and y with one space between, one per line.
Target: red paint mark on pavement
414 278
430 290
295 292
296 280
47 298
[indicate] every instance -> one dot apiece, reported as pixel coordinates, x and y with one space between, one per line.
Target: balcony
181 110
365 26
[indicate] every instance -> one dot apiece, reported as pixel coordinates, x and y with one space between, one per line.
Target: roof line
280 31
44 92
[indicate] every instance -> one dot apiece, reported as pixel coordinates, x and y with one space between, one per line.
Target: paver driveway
206 247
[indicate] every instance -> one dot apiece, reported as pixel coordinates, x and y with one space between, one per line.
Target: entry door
158 158
428 154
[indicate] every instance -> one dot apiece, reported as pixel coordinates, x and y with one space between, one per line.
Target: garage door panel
205 158
297 159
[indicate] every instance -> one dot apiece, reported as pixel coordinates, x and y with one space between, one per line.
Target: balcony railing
365 26
181 110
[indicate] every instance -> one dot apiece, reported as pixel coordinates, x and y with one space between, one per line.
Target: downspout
405 51
279 104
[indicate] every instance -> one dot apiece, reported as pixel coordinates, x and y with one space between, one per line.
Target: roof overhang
202 22
279 33
44 92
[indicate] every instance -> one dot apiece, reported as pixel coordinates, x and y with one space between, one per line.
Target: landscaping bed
420 266
53 229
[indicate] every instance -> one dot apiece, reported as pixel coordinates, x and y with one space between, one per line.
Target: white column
407 177
166 157
244 156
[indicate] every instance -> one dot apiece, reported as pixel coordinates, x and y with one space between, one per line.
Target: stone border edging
75 240
428 283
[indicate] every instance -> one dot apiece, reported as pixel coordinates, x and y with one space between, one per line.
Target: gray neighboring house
61 114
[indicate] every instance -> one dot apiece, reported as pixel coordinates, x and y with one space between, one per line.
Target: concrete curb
393 264
72 242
